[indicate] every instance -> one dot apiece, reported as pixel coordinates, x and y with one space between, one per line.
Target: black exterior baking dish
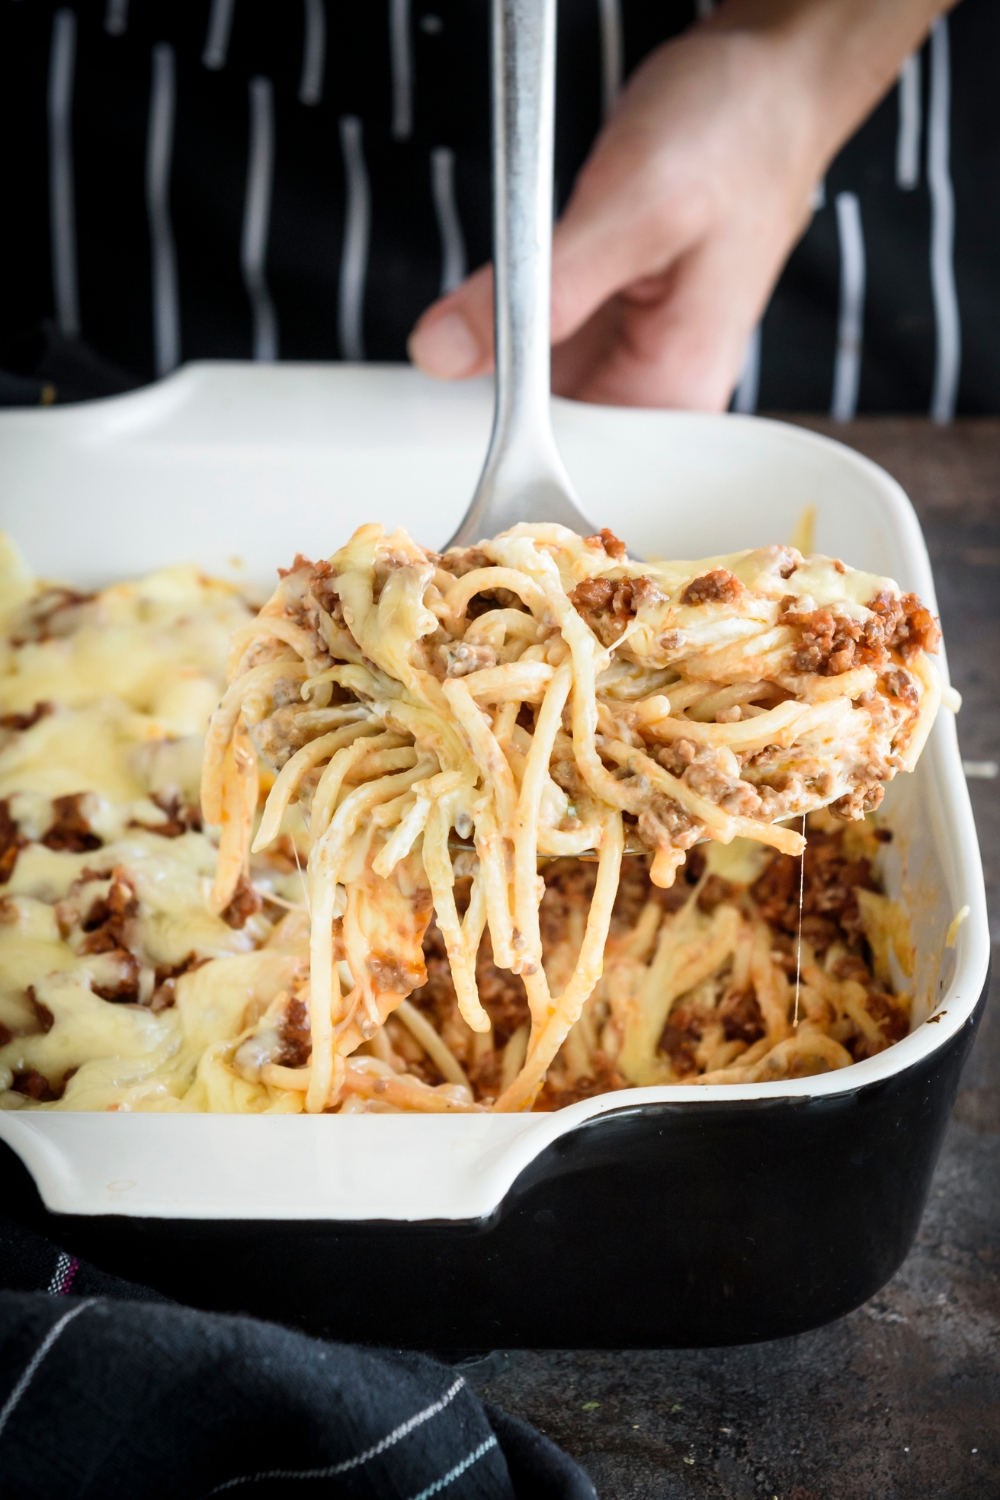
668 1216
657 1225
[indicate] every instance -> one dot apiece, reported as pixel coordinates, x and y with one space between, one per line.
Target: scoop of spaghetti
540 694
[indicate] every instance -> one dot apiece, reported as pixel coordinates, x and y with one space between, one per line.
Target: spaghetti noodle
543 695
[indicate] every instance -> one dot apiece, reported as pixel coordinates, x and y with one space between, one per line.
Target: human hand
691 200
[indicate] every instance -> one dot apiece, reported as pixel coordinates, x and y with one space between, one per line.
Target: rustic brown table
901 1400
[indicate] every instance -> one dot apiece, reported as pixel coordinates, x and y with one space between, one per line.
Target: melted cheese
129 689
86 749
157 645
105 701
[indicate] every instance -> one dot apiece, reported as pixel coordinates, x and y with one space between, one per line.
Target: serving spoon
523 478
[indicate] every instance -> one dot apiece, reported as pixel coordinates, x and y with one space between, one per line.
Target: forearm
846 52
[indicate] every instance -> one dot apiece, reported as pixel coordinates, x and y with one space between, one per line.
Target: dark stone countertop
900 1400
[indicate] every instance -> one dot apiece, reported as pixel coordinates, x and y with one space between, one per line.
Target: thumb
607 238
453 339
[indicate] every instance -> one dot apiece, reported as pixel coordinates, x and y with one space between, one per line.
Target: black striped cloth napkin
109 1391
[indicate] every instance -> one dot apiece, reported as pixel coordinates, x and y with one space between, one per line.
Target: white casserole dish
236 467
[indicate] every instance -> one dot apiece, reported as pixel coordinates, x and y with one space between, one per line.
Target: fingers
453 339
608 238
684 349
623 222
674 338
634 211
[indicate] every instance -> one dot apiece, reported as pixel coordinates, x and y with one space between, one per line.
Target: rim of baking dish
958 848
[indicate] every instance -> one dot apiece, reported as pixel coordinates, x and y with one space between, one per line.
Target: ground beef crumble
717 587
309 595
296 1039
462 560
70 831
182 817
830 903
164 994
741 1018
300 564
245 903
106 924
21 722
900 685
470 560
738 1013
606 540
861 799
35 1086
459 658
833 643
830 914
124 988
608 605
913 627
892 1019
393 977
12 841
107 929
679 1039
557 1093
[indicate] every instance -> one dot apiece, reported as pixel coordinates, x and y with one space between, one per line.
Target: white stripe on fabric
159 155
31 1368
850 327
817 198
908 131
116 17
62 212
745 398
220 28
449 224
612 53
389 1441
313 53
948 351
357 225
453 1474
59 1275
257 218
401 60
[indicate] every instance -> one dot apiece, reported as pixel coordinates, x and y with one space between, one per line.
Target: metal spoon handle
523 478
